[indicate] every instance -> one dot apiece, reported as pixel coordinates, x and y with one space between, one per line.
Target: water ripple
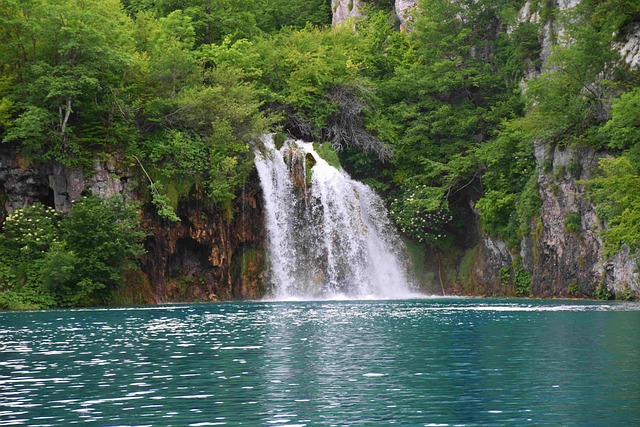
419 362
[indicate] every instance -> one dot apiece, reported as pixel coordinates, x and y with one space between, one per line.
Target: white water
329 239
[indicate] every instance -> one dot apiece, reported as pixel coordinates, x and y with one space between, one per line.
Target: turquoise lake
430 362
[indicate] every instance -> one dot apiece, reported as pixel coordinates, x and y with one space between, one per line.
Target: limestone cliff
403 11
344 9
564 251
210 254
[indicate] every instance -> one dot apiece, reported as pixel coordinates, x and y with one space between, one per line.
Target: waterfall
328 236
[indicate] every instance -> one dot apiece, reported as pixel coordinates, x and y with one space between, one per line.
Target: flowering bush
48 260
30 231
423 214
27 238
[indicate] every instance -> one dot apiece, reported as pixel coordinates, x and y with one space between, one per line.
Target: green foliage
616 193
520 49
423 215
511 196
495 209
433 118
67 59
521 279
626 294
467 263
205 137
528 206
299 69
238 18
568 100
29 234
102 255
601 293
516 274
623 129
504 275
572 289
47 260
30 231
446 97
327 152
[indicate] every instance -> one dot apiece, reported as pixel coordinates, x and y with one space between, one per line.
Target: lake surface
434 362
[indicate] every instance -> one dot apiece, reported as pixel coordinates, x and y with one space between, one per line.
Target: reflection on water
421 362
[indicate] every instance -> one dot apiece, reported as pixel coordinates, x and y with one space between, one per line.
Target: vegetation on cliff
434 118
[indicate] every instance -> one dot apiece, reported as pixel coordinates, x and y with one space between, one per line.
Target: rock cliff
564 251
209 254
344 9
403 11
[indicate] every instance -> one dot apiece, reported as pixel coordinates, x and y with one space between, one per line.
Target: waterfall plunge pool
441 361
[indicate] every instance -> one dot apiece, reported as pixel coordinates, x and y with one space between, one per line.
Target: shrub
48 261
573 222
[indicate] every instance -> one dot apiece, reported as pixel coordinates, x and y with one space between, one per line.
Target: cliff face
210 254
564 251
403 11
344 9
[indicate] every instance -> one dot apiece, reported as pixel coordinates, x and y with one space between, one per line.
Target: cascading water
328 235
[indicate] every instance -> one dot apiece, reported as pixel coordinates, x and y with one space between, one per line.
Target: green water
454 362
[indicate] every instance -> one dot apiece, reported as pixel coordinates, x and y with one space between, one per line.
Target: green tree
66 59
87 267
446 98
616 193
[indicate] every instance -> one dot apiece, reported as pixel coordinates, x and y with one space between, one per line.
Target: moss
135 290
448 262
528 207
417 257
249 258
582 260
279 138
537 235
246 267
574 168
465 271
327 152
310 163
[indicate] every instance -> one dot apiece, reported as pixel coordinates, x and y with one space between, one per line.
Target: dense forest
441 117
